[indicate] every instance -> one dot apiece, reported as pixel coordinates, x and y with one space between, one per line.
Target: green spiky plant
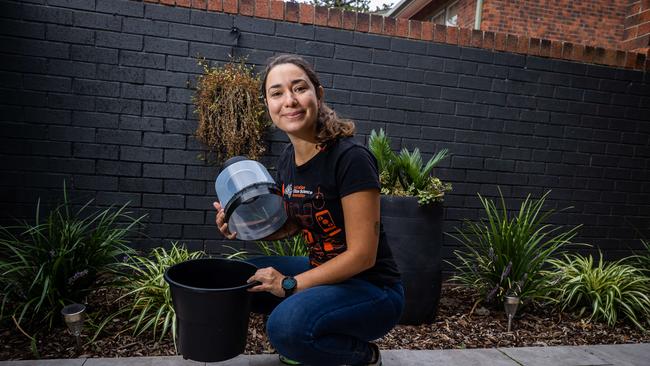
379 145
406 174
148 306
605 291
293 246
49 263
504 254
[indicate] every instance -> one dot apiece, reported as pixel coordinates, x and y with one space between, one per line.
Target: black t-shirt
313 193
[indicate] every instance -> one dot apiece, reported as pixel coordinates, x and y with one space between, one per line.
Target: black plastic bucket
212 307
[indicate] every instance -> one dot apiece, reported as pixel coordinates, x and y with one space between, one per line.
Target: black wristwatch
289 285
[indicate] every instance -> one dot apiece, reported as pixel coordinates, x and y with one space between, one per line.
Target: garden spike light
510 305
73 315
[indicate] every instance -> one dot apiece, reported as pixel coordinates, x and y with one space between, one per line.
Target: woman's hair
329 126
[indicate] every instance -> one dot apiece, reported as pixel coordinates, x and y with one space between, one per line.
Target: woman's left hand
270 281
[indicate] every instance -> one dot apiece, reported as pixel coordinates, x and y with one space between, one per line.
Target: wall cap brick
416 30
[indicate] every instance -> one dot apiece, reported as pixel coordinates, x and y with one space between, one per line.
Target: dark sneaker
377 355
288 361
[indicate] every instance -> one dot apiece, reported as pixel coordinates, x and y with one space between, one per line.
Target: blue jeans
328 324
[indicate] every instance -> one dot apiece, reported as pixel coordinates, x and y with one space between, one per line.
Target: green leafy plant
230 112
149 302
607 291
293 246
504 254
59 260
350 5
379 145
362 6
406 174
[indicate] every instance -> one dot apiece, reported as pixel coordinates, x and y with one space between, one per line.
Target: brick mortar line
635 14
637 25
398 27
641 36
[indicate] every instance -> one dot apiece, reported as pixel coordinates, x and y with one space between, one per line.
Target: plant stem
33 339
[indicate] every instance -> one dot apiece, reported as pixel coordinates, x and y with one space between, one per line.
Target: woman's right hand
221 222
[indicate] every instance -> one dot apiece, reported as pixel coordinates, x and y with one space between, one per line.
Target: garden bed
454 328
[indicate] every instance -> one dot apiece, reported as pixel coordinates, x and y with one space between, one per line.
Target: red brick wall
636 35
594 22
426 31
465 13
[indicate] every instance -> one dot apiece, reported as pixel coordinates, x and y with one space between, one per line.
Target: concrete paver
266 360
142 361
556 356
242 360
62 362
601 355
468 357
622 354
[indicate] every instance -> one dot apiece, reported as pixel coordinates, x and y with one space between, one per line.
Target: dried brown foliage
230 112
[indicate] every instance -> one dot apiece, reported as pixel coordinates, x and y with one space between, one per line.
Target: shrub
51 263
504 254
405 174
230 112
605 290
294 246
142 283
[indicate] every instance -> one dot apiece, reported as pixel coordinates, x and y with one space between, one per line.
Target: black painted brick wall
98 92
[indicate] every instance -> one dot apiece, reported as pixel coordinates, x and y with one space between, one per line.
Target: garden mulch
456 326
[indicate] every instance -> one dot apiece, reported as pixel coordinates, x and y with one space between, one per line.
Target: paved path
602 355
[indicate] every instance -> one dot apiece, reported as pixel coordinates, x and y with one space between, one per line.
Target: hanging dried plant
230 112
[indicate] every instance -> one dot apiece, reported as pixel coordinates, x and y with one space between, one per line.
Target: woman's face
292 100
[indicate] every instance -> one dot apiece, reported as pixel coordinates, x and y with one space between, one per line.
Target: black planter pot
414 235
212 307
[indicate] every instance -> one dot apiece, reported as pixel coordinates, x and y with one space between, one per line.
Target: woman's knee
287 332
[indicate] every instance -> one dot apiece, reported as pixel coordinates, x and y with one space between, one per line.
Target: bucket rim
236 198
203 289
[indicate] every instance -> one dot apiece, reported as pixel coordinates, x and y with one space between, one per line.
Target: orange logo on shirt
325 221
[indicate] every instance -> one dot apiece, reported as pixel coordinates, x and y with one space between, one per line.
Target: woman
325 309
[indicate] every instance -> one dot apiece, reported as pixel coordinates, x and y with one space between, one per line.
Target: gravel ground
454 327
